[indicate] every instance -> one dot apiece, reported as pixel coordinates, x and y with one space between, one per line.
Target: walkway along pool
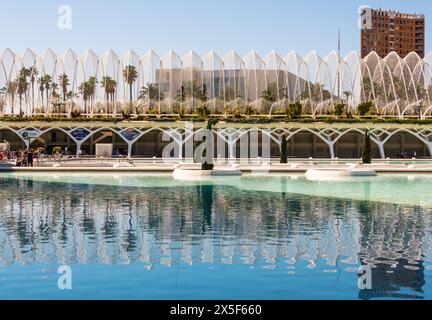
147 236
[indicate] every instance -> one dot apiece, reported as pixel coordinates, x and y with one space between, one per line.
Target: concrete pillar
78 148
429 146
231 149
180 150
331 148
130 144
336 150
381 150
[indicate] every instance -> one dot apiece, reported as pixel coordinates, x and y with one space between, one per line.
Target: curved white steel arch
230 81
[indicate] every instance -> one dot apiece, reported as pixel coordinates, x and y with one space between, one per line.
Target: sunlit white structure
111 84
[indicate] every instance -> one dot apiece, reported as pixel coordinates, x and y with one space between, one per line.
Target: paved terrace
253 166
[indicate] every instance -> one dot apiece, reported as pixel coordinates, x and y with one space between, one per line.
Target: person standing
30 157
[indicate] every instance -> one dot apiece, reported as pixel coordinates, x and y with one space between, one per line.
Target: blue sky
242 25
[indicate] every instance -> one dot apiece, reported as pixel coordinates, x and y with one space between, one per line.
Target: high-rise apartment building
386 31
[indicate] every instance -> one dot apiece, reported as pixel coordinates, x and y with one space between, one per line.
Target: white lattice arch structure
398 86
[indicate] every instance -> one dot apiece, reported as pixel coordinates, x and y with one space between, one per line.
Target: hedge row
230 119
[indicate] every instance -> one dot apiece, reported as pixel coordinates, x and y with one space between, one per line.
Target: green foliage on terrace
339 109
294 110
365 108
241 119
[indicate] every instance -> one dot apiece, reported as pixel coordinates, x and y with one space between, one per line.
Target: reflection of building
388 31
394 245
212 224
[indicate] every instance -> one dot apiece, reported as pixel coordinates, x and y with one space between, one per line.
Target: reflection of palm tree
207 204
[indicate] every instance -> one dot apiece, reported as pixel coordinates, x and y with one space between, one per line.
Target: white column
381 149
78 148
331 149
130 144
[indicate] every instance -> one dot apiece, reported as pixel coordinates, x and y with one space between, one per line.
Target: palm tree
64 84
22 85
110 86
347 95
45 85
130 75
84 91
2 99
10 90
87 90
150 92
33 75
91 83
273 93
231 94
55 98
269 95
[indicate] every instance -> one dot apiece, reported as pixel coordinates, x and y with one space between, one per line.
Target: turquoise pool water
140 236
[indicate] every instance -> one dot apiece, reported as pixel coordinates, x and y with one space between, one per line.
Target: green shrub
339 109
202 111
294 110
364 108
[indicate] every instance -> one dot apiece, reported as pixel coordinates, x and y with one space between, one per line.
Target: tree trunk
130 99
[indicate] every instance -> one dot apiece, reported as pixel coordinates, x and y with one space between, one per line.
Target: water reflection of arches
393 244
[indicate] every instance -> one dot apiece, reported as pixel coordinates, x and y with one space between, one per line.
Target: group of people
407 155
23 158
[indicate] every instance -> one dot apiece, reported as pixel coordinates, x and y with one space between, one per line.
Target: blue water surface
253 238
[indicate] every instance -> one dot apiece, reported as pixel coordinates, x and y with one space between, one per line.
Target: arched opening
10 137
350 145
255 143
306 144
405 145
55 138
105 136
150 145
